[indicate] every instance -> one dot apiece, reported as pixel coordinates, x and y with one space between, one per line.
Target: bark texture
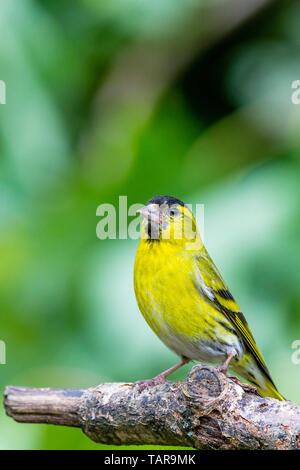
206 411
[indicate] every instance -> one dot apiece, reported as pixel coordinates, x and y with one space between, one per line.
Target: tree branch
207 410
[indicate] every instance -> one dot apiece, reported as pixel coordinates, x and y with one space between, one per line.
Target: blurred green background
190 98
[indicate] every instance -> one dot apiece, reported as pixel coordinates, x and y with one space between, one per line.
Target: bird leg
224 367
160 378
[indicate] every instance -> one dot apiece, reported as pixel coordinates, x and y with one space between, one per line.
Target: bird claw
223 370
143 384
127 385
245 386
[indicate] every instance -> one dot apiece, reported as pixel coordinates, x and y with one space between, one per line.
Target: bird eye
172 212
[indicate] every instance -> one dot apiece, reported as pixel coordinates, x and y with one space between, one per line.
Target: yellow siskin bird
184 299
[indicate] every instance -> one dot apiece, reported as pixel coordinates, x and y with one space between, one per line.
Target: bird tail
261 378
269 390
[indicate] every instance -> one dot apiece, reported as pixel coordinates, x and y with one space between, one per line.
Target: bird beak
151 213
144 212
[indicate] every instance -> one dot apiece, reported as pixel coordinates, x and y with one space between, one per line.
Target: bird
186 302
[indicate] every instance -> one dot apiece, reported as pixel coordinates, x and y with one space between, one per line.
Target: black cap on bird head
165 200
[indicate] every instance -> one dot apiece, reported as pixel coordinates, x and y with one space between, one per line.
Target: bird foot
143 384
245 386
223 369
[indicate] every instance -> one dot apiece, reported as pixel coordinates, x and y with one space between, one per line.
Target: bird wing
211 286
